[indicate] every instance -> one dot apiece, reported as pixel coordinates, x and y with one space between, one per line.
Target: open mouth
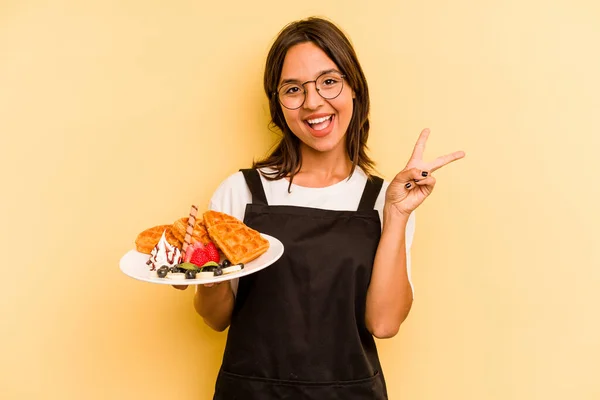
319 124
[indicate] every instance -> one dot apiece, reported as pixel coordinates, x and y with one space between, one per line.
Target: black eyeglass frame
276 93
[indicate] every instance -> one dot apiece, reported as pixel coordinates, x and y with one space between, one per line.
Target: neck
320 169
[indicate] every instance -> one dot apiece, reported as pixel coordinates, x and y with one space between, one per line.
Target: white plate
133 264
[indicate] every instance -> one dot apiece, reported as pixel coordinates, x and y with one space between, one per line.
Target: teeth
318 120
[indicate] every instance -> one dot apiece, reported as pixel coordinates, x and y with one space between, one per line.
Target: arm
389 297
215 304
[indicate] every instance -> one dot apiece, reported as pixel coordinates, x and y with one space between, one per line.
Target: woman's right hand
214 303
183 287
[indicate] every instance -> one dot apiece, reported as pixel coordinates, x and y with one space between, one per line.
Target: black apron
298 327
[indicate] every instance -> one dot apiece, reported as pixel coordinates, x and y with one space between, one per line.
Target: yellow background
117 115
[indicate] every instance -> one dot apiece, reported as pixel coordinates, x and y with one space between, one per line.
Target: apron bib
298 327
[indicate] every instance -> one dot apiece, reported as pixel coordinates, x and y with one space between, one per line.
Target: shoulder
231 185
231 196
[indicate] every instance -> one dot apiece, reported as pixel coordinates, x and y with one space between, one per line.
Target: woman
303 328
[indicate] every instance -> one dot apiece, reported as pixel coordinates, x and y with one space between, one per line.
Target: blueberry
162 271
218 271
225 263
190 274
173 269
241 265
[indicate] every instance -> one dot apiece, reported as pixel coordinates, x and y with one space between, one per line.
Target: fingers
447 159
183 287
414 176
209 285
419 149
429 181
411 174
427 184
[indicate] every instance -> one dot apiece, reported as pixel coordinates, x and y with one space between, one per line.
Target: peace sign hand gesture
414 183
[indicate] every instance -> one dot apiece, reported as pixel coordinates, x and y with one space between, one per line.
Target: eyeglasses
329 86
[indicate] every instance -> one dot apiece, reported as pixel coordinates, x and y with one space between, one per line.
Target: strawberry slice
190 250
200 257
212 252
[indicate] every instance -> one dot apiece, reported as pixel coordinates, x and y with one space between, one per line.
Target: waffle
239 243
212 218
171 238
145 241
199 234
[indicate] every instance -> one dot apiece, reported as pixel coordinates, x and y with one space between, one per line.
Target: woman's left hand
415 182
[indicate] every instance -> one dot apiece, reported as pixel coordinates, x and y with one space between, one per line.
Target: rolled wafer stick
189 230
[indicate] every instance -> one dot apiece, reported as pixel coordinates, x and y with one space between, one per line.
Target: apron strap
370 194
256 188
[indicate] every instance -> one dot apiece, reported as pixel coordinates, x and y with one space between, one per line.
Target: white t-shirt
233 194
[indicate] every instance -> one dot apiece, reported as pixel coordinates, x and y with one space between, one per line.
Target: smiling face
320 124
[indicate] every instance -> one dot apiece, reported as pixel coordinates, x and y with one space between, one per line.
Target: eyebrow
327 71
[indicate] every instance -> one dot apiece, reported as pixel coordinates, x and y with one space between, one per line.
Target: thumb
410 175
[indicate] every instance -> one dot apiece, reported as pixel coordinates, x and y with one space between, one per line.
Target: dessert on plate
190 248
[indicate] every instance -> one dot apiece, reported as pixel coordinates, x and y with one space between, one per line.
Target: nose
313 99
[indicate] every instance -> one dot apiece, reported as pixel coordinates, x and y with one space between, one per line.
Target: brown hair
286 157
